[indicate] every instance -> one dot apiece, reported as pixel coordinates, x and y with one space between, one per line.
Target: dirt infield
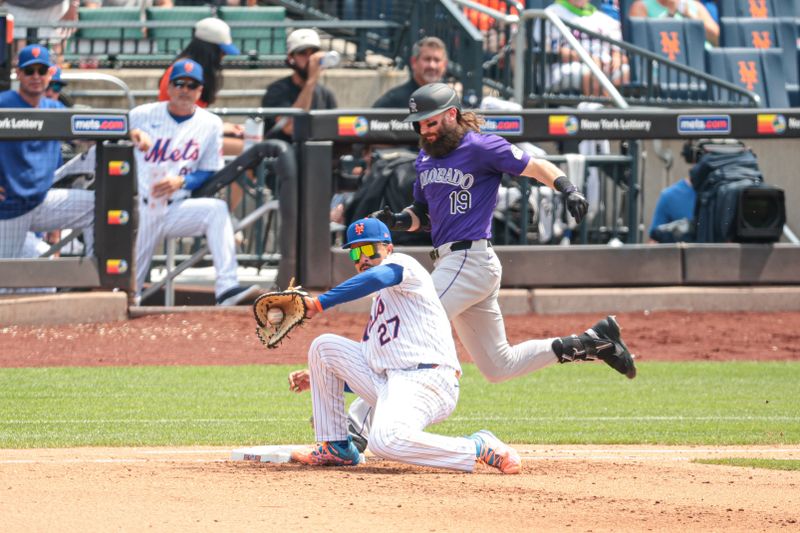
229 338
562 488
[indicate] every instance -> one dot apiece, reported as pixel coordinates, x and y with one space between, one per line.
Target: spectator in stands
210 43
300 90
179 149
55 87
32 14
673 213
27 168
688 9
428 64
569 72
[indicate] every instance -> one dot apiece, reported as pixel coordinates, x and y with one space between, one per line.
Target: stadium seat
171 40
767 33
759 9
101 43
760 71
678 40
255 41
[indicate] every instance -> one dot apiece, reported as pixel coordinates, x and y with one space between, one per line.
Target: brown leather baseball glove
273 327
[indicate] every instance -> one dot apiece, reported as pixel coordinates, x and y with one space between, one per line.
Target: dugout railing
115 200
321 136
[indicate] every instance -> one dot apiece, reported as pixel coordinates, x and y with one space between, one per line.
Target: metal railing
642 77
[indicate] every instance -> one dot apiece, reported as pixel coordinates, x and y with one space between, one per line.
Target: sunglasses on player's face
191 85
369 250
41 70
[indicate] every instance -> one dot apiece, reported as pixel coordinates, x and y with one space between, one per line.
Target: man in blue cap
180 147
27 201
405 367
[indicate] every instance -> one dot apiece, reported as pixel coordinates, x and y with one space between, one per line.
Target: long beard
447 142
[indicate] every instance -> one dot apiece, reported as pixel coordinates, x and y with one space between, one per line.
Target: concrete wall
353 88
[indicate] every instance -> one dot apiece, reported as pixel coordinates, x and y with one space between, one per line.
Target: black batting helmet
430 100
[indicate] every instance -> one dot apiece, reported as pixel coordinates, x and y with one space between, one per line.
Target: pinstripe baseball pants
191 217
406 402
61 209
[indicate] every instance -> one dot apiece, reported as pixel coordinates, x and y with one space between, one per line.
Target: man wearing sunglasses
180 147
27 168
405 367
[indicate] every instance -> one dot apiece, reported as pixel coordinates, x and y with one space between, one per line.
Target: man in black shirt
428 65
302 89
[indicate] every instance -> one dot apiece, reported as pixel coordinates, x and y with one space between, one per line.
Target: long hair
209 56
469 120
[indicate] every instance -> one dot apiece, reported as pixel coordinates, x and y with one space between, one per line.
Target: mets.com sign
99 124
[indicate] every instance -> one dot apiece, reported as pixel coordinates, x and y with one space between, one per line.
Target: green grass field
668 403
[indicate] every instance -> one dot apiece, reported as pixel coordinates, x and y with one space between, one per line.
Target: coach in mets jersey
180 147
405 366
27 200
458 175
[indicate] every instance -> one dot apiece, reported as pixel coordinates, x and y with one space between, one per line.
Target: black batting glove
386 216
576 202
577 205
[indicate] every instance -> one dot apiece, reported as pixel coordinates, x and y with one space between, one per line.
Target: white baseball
275 315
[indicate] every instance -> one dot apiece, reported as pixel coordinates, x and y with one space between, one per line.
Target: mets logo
359 229
748 74
412 105
670 44
36 51
188 67
761 39
758 9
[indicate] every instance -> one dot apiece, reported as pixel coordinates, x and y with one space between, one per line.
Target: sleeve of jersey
504 156
365 283
195 179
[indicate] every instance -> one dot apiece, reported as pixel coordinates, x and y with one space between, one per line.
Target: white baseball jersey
408 325
179 148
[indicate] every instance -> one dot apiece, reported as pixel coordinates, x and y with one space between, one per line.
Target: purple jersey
461 188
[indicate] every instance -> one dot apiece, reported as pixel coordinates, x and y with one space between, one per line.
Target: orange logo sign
188 67
670 44
359 229
761 39
758 9
36 51
748 74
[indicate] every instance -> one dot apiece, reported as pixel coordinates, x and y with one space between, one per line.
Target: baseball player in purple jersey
405 367
180 147
458 175
27 201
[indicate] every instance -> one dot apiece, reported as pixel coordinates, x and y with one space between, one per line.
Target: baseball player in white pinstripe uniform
180 148
27 201
405 366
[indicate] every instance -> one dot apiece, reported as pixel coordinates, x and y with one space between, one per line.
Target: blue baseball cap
186 68
367 230
56 77
33 54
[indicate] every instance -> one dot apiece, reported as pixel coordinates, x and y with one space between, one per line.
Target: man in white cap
302 89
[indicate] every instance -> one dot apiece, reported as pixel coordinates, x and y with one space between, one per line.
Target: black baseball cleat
606 344
601 341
